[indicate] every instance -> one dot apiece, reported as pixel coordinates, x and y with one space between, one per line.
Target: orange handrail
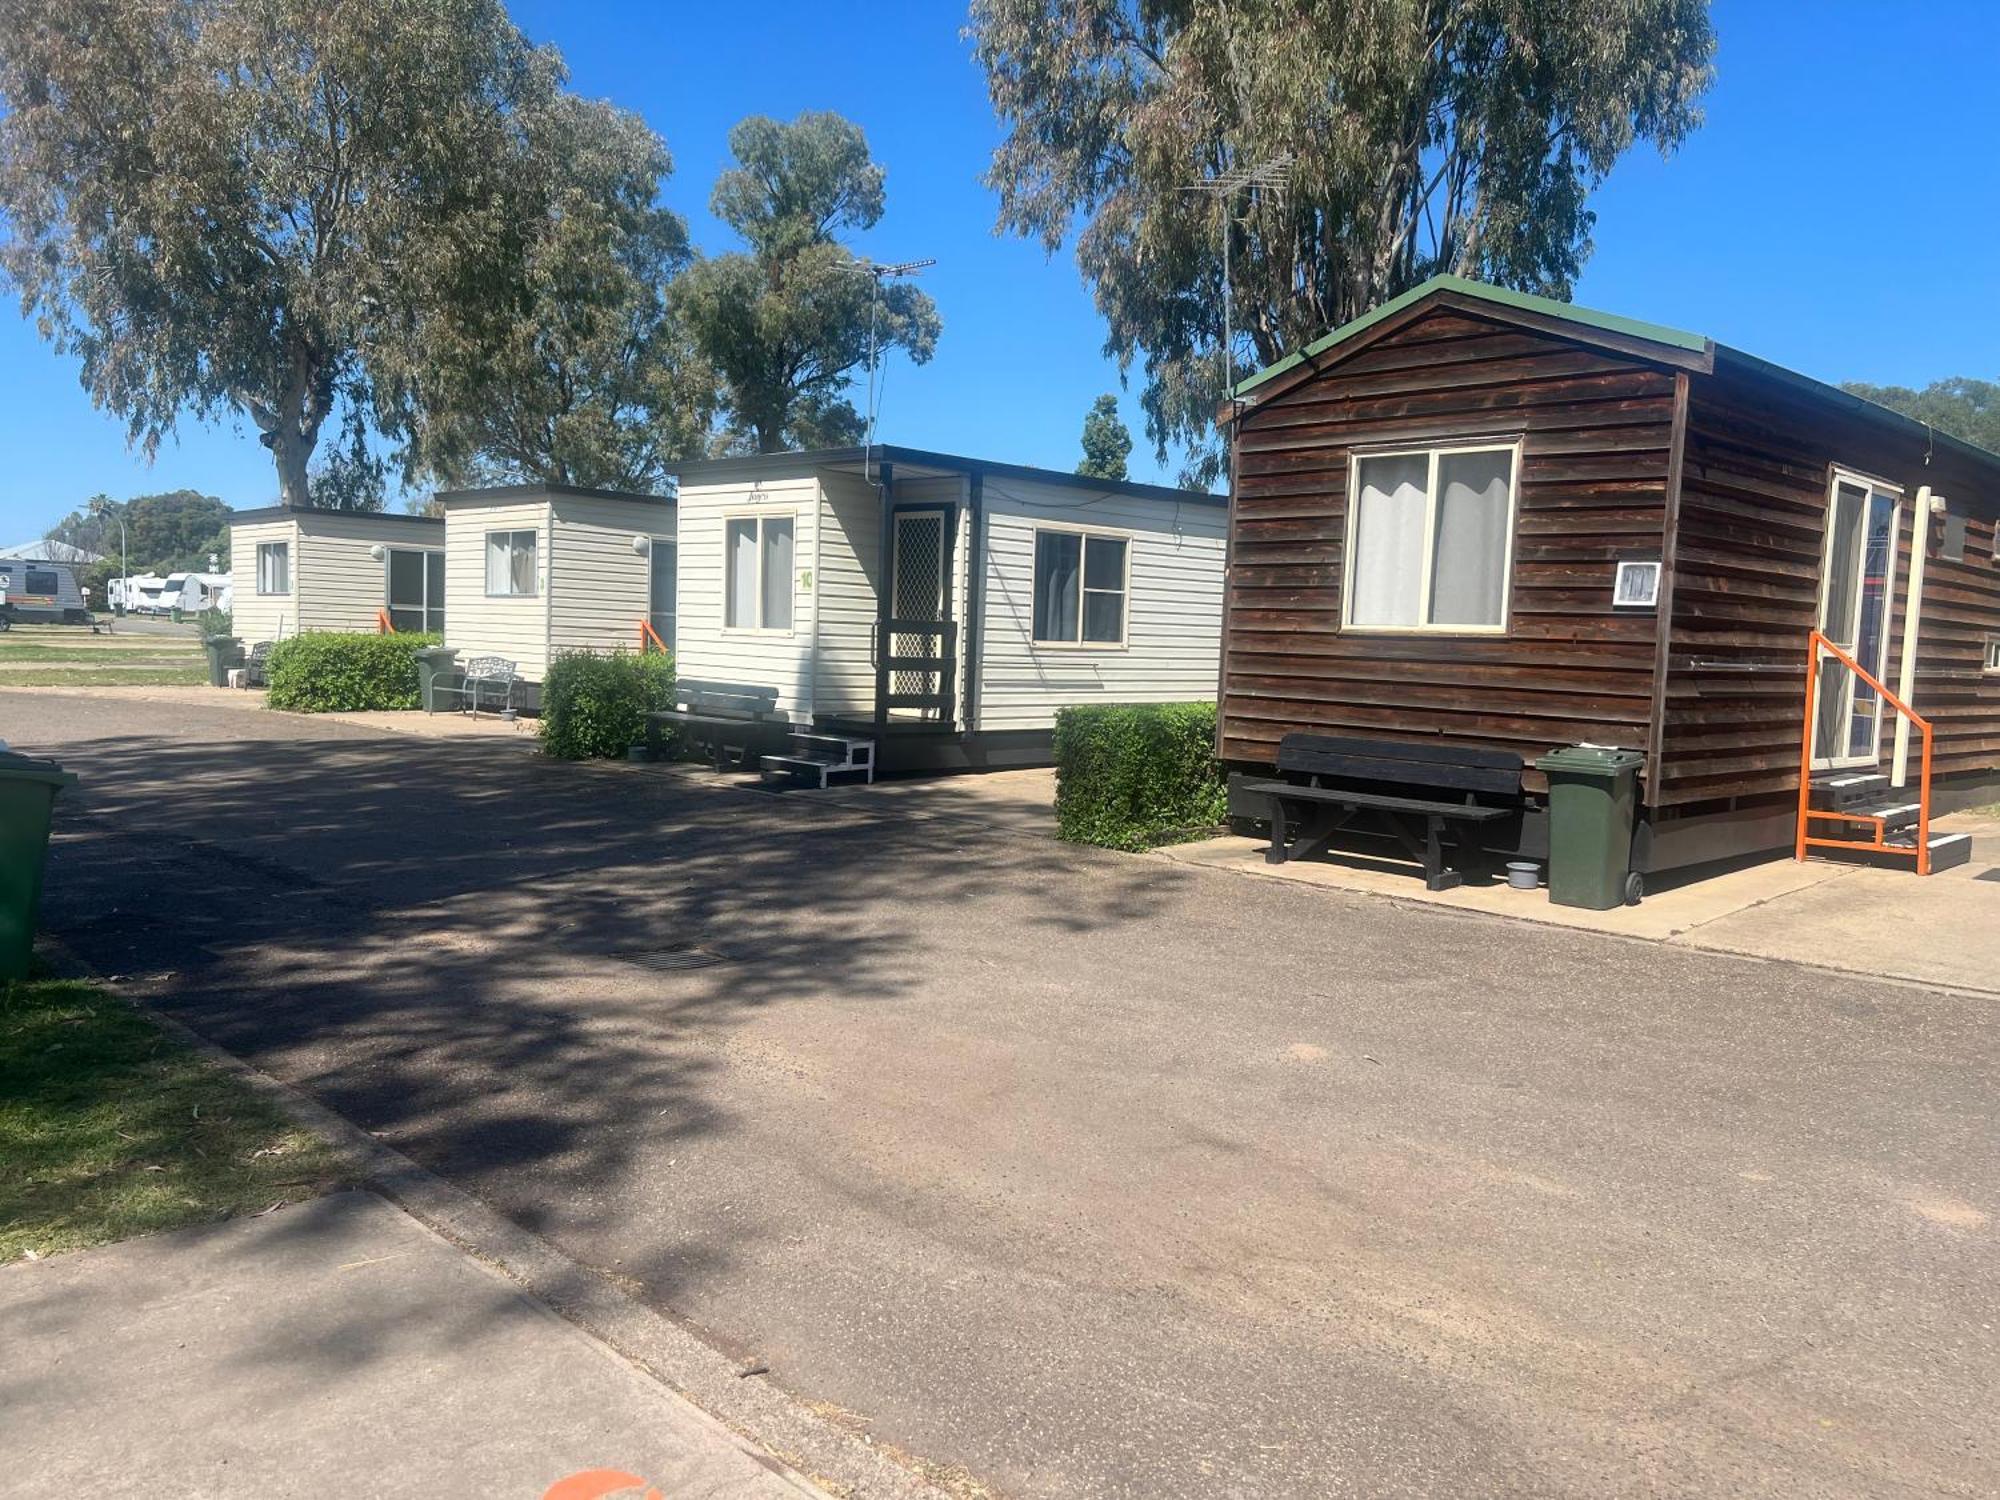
382 623
648 634
1815 643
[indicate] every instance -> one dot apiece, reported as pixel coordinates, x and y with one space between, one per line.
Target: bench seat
1328 781
1454 811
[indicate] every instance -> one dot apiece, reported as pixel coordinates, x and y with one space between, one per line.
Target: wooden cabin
1480 518
942 607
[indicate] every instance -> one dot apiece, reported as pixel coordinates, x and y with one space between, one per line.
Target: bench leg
1436 876
1280 833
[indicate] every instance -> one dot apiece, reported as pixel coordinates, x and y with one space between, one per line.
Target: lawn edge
804 1445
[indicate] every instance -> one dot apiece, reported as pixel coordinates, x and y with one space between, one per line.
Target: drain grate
679 956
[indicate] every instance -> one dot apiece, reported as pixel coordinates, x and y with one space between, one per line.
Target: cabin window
1993 653
1081 582
415 593
274 567
1432 539
510 563
758 553
40 581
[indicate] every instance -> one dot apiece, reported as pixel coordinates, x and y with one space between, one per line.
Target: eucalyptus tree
1960 405
1422 136
788 321
240 208
575 371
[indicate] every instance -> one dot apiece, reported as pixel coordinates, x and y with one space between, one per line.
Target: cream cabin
944 607
540 568
299 569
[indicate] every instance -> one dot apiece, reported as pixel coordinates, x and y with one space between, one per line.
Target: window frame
286 548
389 605
1990 662
759 517
534 591
1106 533
1432 452
1659 567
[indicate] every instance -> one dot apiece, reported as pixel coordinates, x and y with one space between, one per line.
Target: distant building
43 550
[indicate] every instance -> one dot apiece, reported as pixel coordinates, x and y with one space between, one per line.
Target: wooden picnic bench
1328 782
724 720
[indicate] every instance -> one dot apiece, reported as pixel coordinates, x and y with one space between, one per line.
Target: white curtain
1469 558
1388 540
778 574
742 549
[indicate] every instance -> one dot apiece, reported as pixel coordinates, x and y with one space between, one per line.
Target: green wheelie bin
28 791
437 670
1593 798
224 652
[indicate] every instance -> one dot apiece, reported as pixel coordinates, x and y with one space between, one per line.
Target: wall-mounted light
378 552
642 545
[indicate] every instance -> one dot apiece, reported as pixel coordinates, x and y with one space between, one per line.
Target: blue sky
1839 213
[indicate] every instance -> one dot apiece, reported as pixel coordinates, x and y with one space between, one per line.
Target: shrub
1132 777
594 705
330 672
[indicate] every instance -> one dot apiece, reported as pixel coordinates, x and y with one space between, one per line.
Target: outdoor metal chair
484 678
255 663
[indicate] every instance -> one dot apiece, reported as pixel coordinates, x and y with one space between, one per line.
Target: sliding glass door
416 590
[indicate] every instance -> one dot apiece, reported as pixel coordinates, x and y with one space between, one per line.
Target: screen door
660 612
1857 591
918 593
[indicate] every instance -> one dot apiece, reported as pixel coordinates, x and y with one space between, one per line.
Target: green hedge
330 672
594 706
1133 777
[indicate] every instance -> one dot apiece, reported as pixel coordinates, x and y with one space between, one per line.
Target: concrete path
334 1348
1082 1174
1876 921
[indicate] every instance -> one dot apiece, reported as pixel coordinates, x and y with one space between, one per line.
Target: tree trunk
291 454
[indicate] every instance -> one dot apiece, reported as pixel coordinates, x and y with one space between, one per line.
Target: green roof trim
1567 312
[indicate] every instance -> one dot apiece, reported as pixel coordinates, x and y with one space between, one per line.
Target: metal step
1947 849
1843 789
1893 815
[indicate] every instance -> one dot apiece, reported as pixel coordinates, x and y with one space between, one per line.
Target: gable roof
1655 341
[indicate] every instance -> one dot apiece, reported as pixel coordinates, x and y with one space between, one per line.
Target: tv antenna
880 272
1270 176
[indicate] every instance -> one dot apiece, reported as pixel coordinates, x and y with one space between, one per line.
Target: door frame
947 513
1870 488
389 606
653 546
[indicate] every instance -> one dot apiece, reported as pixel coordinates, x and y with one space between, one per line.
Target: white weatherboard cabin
299 569
535 569
945 607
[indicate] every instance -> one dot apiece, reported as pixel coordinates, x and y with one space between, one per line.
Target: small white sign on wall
1637 585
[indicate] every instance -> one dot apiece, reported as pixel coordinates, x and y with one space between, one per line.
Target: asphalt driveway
1095 1175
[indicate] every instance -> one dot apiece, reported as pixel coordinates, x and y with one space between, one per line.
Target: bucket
1524 874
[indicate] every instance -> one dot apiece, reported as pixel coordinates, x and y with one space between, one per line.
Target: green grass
110 1128
194 674
123 651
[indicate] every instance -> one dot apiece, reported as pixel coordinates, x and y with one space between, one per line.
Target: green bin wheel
1635 888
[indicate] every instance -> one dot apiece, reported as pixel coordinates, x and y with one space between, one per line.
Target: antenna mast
1271 175
879 272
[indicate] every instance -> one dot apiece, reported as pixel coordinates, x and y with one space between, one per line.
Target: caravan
40 593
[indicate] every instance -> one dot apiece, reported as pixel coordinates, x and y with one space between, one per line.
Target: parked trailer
40 593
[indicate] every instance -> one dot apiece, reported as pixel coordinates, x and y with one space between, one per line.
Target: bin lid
17 767
1594 760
